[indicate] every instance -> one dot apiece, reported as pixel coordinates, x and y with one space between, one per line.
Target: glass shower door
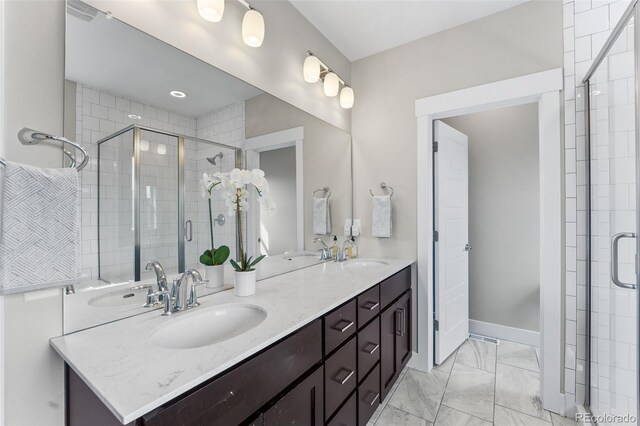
612 379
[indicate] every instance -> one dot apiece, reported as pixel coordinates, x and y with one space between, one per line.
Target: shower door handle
615 240
188 230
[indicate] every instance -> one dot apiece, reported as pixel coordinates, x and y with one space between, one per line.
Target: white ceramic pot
245 283
214 275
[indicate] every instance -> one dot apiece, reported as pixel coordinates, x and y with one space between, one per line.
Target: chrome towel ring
32 137
384 187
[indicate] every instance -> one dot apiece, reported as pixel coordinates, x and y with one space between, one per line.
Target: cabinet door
387 349
403 334
301 406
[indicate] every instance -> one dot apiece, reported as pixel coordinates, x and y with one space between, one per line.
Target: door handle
467 247
401 321
614 259
188 230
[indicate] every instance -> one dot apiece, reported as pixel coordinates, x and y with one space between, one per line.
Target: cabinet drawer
368 305
394 286
339 377
339 325
301 406
236 395
368 348
368 396
346 416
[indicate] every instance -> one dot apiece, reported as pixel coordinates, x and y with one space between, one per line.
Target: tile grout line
495 386
435 418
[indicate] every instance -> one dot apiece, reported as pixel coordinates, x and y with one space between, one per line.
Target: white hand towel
40 240
321 216
381 216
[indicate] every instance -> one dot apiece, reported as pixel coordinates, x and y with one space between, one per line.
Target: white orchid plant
234 187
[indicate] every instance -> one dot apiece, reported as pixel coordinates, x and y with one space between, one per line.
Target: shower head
212 160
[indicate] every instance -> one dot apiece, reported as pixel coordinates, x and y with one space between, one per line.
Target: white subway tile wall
100 114
587 25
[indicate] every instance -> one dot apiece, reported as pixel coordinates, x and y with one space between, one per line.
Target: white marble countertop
81 310
131 376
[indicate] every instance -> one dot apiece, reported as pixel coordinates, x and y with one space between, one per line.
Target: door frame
544 89
276 140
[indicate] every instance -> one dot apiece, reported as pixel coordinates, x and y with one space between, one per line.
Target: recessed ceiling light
134 116
178 94
596 92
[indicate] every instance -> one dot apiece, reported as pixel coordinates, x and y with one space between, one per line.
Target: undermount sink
364 264
207 326
125 297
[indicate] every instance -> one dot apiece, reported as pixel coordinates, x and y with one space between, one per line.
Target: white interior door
451 250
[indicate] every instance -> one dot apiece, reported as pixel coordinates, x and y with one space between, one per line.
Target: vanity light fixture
178 94
331 84
211 10
252 22
346 97
162 149
315 70
311 69
144 145
252 28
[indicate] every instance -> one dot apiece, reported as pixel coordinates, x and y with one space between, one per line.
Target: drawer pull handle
343 325
338 378
374 399
372 349
371 305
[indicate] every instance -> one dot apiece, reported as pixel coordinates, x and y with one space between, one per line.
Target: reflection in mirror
142 197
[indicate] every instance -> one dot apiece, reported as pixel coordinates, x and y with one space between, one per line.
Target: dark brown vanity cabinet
301 406
395 341
334 371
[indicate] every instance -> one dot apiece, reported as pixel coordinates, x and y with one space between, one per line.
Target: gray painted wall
518 41
279 166
326 156
32 62
504 219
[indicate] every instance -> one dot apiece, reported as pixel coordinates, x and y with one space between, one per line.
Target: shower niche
150 204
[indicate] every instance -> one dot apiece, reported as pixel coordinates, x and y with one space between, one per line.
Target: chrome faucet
342 253
183 293
325 252
158 297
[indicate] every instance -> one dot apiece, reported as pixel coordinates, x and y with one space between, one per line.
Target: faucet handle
193 296
168 308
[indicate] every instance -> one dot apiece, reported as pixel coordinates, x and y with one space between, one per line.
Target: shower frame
632 11
137 138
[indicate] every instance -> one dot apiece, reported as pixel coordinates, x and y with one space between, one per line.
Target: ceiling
109 55
359 28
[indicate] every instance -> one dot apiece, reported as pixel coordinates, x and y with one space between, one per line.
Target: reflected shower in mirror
154 120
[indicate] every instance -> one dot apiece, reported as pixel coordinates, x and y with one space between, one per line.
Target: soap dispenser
352 251
334 247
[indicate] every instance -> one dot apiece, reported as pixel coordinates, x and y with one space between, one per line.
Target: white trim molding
544 89
276 140
512 334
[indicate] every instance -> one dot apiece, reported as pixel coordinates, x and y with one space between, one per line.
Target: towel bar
383 186
31 137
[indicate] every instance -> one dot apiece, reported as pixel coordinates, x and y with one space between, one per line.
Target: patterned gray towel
40 240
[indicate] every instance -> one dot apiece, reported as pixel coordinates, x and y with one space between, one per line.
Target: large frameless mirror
155 120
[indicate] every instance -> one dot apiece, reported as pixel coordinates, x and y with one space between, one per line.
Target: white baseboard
518 335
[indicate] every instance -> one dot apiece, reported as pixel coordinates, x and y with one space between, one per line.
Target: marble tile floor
481 384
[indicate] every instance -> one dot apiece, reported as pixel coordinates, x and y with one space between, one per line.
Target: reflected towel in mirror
381 227
40 243
321 216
